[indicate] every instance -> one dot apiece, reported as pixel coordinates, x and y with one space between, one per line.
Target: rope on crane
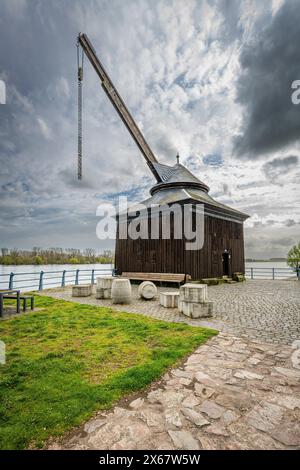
80 78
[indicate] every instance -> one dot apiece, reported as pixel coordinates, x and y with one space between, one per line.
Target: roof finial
177 157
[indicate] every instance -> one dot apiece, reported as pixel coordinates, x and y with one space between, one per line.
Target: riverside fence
48 279
270 273
60 278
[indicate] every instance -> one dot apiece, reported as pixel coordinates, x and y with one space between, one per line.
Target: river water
28 276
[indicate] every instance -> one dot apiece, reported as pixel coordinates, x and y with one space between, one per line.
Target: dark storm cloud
37 49
279 166
290 223
34 58
269 66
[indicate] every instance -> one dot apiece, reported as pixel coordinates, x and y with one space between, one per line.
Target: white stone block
107 294
196 310
103 293
83 290
105 282
193 293
169 299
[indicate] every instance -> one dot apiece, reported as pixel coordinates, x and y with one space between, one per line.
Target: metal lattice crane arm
79 77
119 104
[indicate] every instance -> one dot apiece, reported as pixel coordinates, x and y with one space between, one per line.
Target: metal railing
270 273
47 279
61 278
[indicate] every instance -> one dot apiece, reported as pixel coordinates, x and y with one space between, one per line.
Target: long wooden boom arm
118 103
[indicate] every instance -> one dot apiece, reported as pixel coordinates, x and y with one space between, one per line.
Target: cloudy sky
210 79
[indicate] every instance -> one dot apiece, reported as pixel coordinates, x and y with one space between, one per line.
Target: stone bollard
121 291
169 299
193 301
105 282
196 310
103 289
84 290
193 292
147 290
103 293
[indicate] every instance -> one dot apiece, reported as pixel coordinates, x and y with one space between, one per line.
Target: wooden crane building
223 249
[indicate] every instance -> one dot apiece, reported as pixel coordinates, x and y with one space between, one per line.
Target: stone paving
231 393
241 390
259 309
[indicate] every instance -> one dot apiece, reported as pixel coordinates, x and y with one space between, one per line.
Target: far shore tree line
54 256
89 256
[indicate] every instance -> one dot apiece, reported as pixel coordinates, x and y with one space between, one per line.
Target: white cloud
45 129
276 4
175 63
62 88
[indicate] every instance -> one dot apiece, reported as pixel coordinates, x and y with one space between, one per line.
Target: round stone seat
147 290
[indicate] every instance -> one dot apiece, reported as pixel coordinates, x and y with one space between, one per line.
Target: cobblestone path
232 393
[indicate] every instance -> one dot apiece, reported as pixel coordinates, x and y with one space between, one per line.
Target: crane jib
118 103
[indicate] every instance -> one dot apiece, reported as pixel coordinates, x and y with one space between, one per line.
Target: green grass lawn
68 360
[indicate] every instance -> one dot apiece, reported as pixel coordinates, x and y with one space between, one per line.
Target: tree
107 254
6 260
38 259
293 258
89 253
4 251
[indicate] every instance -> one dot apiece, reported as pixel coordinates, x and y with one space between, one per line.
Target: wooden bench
24 298
157 277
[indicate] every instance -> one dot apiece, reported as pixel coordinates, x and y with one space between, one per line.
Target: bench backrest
170 277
